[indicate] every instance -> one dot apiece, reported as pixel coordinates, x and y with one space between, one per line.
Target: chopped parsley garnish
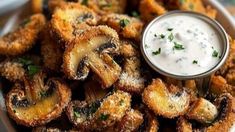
215 53
135 14
106 5
43 94
182 1
24 22
157 52
191 6
162 36
104 117
146 46
169 29
121 102
77 114
29 66
171 37
33 69
124 22
155 35
195 61
84 2
178 46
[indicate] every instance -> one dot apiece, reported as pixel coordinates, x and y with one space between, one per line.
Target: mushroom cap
90 50
226 117
168 101
23 38
43 111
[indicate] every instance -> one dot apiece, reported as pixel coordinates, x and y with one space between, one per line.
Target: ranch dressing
183 45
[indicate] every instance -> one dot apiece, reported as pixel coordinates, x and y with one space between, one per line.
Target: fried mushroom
105 6
167 100
12 71
130 79
38 104
150 123
90 51
100 114
51 51
219 86
202 111
226 117
71 19
191 5
126 26
149 9
22 39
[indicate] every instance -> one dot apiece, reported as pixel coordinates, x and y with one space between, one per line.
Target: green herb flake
77 114
162 36
104 117
157 52
106 5
121 102
215 53
178 46
43 94
135 14
124 22
84 2
155 35
171 37
182 1
195 61
24 22
33 69
169 29
24 61
191 6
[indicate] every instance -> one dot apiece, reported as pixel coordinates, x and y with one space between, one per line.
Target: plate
6 124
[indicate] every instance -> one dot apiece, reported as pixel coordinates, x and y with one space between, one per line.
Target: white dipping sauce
182 45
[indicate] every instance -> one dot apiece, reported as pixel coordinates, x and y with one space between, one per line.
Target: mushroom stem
105 68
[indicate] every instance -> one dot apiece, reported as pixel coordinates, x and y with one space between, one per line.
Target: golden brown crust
126 26
192 5
14 112
149 9
12 71
168 101
70 20
226 103
183 125
97 62
219 86
23 38
131 79
203 111
51 52
99 115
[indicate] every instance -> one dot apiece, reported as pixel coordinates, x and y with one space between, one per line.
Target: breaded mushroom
12 71
131 80
219 86
105 6
71 19
90 52
126 26
166 100
226 118
191 5
100 114
202 111
22 40
38 103
51 51
150 9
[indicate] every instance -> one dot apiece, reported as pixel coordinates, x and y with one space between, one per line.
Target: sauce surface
182 45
